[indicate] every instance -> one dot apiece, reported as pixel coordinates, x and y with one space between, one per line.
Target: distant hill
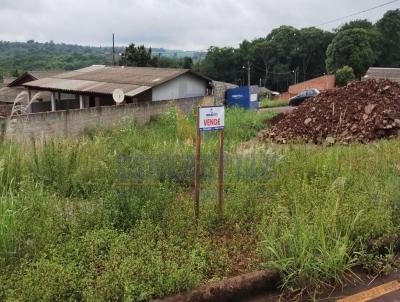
178 54
17 57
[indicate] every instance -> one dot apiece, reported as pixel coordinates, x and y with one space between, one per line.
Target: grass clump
266 103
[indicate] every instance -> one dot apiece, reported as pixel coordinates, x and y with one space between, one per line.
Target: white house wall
185 86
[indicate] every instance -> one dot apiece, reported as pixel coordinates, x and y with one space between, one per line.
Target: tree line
18 57
140 56
288 55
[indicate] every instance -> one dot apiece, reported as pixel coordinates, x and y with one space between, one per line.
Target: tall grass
326 206
7 227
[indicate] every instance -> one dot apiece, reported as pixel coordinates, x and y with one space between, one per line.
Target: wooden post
221 174
197 168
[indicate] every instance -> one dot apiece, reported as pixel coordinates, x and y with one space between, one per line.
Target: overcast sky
174 24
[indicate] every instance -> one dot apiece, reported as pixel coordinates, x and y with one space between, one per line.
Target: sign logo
211 118
237 96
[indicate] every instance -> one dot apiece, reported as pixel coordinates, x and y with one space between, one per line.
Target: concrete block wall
70 123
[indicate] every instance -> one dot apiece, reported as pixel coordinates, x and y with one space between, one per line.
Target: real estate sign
211 118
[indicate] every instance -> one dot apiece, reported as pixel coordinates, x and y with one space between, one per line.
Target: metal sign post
210 118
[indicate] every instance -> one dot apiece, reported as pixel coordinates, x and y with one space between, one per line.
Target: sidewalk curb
230 289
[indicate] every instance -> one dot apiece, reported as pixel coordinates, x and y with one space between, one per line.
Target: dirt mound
360 112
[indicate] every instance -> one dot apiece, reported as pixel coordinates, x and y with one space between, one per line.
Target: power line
357 13
260 69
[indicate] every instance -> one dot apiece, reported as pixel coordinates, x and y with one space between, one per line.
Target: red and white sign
211 118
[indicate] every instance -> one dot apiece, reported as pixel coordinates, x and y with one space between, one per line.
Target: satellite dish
118 96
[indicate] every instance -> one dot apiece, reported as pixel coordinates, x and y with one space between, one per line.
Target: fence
74 122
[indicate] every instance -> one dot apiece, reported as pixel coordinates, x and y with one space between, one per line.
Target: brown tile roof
105 79
40 74
31 76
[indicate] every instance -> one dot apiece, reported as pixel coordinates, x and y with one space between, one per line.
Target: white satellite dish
118 96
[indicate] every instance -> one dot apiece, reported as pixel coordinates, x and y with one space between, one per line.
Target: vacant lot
109 216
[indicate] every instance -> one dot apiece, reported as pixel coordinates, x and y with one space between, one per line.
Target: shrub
344 75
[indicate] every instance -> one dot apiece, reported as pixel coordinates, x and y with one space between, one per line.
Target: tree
263 56
138 56
360 23
344 75
284 40
373 34
274 57
311 51
350 47
187 63
222 64
167 62
389 29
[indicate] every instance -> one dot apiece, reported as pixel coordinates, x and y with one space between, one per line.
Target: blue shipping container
242 98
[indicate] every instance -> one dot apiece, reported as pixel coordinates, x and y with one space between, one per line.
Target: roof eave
19 78
184 71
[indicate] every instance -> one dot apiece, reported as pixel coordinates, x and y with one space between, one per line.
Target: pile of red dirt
360 112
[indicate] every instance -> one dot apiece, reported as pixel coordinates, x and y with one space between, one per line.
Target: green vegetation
351 47
389 29
109 216
288 54
17 57
140 56
327 208
344 75
266 103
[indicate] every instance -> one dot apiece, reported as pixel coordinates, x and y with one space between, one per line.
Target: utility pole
113 51
248 74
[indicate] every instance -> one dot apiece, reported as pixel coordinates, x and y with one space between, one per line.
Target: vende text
212 122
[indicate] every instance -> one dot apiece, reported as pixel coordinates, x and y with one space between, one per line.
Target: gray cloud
187 24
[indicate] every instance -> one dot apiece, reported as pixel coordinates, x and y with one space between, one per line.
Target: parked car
302 96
